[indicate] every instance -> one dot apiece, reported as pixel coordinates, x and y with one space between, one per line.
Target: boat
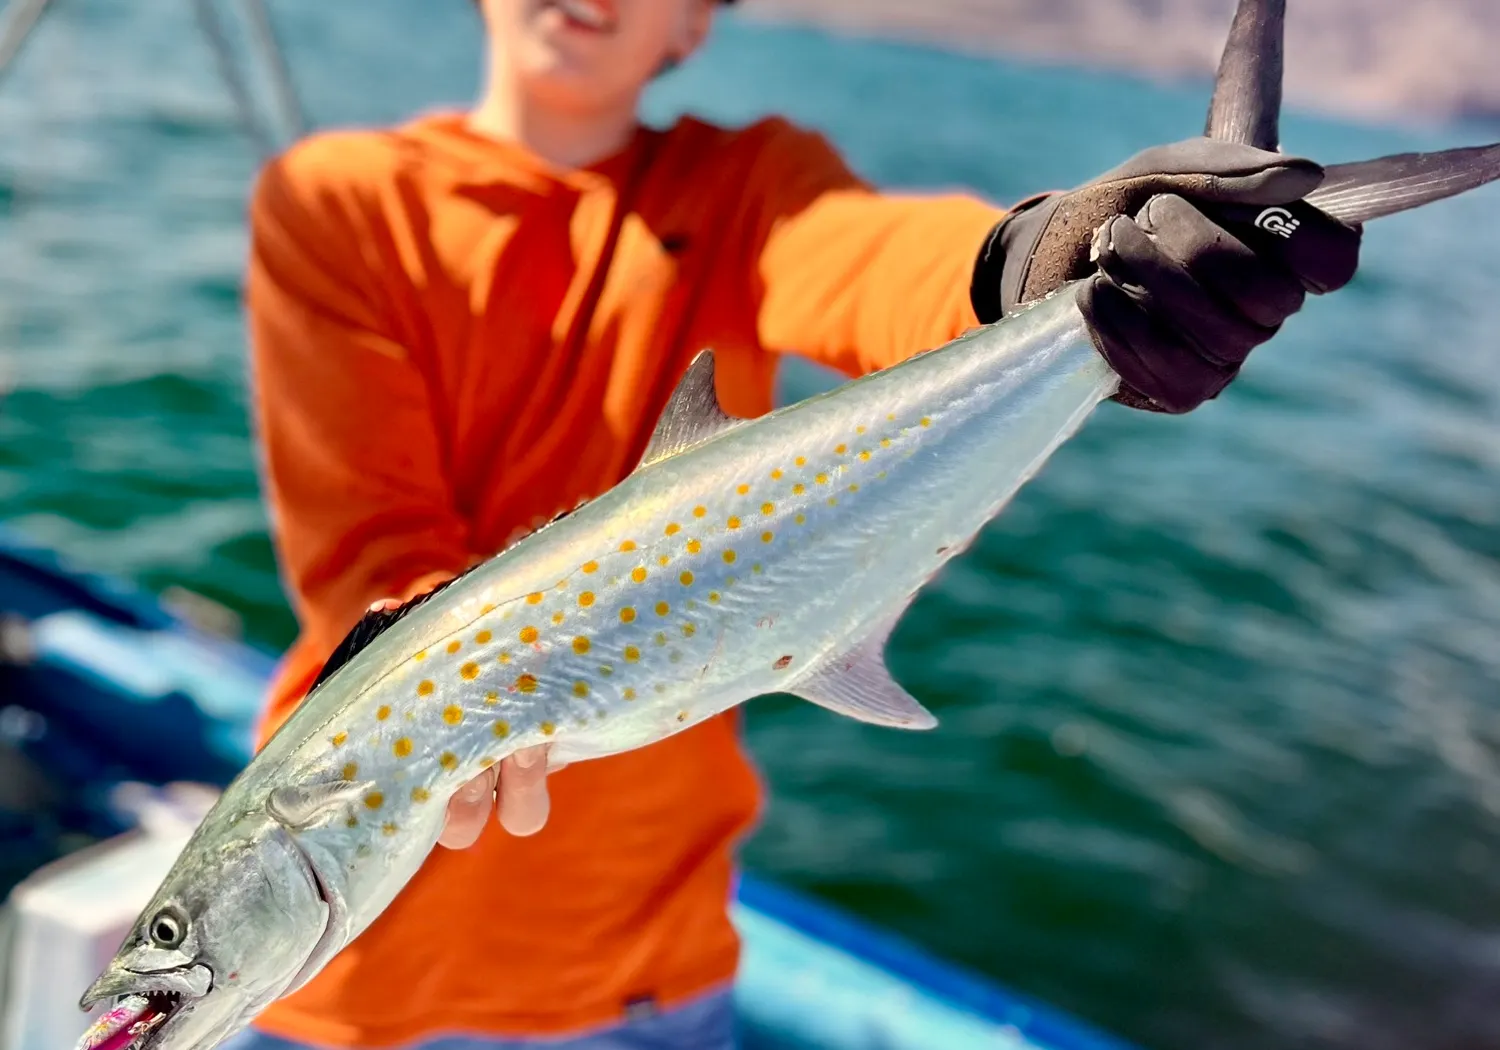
113 704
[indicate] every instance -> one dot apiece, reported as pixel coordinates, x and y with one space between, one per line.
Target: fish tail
1246 108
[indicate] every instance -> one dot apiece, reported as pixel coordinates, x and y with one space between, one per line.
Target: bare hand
515 789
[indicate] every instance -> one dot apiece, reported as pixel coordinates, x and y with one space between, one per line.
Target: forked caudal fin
1246 109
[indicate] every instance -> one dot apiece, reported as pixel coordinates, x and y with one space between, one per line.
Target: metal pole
21 18
213 29
293 116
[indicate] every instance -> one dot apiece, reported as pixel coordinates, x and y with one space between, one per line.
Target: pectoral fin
856 683
301 806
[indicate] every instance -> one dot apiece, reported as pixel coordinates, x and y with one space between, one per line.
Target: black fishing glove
1173 299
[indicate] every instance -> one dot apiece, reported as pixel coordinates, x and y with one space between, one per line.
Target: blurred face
586 55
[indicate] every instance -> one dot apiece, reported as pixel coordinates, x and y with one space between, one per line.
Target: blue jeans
703 1024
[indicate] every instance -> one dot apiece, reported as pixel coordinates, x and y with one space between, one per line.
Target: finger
524 803
1262 289
469 810
1163 286
1227 171
1149 357
384 605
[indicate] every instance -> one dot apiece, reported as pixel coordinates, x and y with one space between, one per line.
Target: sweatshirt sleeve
851 278
351 459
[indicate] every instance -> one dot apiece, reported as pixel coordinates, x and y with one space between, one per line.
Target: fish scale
806 533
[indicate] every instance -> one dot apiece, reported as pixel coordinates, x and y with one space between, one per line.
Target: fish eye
167 928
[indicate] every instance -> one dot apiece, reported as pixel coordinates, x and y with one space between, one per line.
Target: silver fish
740 558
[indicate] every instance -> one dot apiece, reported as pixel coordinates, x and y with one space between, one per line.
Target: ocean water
1219 762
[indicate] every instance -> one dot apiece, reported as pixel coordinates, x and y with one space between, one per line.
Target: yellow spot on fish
662 608
800 519
801 461
885 442
713 596
580 645
350 770
590 566
547 728
557 617
469 671
688 630
586 599
402 747
891 418
854 487
580 689
776 475
534 598
673 528
482 638
505 657
627 546
756 568
798 489
488 608
661 638
733 523
339 738
839 450
527 635
453 714
925 421
388 828
501 729
821 479
766 537
865 455
693 546
627 615
729 557
880 476
492 698
448 760
629 694
425 687
859 430
698 512
374 800
833 501
663 560
420 794
454 646
606 670
526 683
638 574
686 579
768 508
632 654
383 712
743 490
420 654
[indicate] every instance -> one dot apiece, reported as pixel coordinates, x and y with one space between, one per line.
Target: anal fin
856 683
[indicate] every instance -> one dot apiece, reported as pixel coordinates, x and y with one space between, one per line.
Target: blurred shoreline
1367 59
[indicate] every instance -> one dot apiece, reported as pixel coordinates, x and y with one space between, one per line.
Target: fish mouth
133 1021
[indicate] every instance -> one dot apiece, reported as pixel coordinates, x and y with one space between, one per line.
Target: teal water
1220 754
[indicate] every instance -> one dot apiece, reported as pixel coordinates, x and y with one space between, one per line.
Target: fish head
228 931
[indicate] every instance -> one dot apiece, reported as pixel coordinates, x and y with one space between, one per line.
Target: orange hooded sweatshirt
450 343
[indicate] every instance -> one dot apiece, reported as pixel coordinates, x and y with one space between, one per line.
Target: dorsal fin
372 625
1247 92
692 415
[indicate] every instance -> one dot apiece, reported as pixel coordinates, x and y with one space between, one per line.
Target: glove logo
1278 221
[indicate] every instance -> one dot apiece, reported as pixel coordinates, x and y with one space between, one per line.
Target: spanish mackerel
741 557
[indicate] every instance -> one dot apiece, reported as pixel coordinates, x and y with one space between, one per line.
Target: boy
461 326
